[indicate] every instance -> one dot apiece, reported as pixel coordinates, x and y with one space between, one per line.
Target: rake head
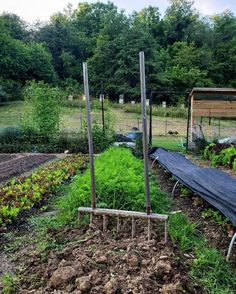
105 213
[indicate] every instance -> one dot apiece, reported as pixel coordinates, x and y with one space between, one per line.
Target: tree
179 21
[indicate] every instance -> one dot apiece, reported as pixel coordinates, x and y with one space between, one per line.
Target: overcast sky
31 10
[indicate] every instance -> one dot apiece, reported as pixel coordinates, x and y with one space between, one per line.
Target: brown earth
90 261
12 165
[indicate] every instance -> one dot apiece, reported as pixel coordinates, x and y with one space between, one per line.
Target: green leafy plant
42 108
10 284
220 154
25 192
215 215
185 192
119 185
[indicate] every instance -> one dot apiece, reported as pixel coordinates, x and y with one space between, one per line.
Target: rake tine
104 223
149 229
91 219
118 224
133 227
165 232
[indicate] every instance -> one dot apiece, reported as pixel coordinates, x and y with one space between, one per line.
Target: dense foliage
221 154
119 185
23 193
15 139
43 109
183 49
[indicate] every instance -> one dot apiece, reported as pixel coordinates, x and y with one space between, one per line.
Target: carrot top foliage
119 180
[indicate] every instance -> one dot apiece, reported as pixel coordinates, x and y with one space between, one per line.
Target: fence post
150 122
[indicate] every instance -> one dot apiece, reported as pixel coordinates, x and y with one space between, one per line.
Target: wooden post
145 139
150 121
90 138
188 123
102 101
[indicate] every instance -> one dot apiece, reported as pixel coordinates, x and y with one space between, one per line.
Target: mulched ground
16 164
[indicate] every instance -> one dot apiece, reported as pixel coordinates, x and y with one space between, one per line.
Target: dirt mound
100 262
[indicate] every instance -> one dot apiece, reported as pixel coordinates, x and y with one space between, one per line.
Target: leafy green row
25 192
119 185
221 154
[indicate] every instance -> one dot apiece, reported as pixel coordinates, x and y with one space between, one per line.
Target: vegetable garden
54 253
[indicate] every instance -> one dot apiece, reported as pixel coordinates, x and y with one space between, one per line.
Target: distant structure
211 103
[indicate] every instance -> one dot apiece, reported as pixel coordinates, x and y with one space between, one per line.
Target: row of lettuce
23 193
221 154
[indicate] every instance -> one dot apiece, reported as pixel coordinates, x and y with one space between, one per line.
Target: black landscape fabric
215 186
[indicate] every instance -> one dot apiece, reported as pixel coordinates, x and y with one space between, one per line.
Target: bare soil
90 261
12 165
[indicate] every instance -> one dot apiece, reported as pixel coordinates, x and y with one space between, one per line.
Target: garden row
120 185
221 154
23 193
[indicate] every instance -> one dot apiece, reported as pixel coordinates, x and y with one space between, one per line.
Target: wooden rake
105 213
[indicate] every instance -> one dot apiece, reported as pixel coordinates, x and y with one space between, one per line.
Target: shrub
171 111
10 135
42 104
119 185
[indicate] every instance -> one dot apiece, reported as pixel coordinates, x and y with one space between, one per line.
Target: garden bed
13 165
218 234
89 261
56 254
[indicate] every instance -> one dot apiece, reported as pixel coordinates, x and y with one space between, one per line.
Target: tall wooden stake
145 139
90 138
102 100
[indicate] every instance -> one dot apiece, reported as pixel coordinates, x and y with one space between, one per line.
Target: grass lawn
11 114
169 142
72 119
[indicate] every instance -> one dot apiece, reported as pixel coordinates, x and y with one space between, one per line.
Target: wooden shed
212 103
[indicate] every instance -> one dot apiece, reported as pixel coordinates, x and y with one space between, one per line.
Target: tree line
183 49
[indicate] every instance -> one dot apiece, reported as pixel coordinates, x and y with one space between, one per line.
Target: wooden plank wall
213 108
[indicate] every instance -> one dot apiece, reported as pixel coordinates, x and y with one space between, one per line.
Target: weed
182 232
215 215
185 192
215 274
10 283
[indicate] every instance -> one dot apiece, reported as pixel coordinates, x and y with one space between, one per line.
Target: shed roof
217 93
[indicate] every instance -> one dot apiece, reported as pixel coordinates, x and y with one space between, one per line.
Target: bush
10 135
119 185
95 104
42 104
171 111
